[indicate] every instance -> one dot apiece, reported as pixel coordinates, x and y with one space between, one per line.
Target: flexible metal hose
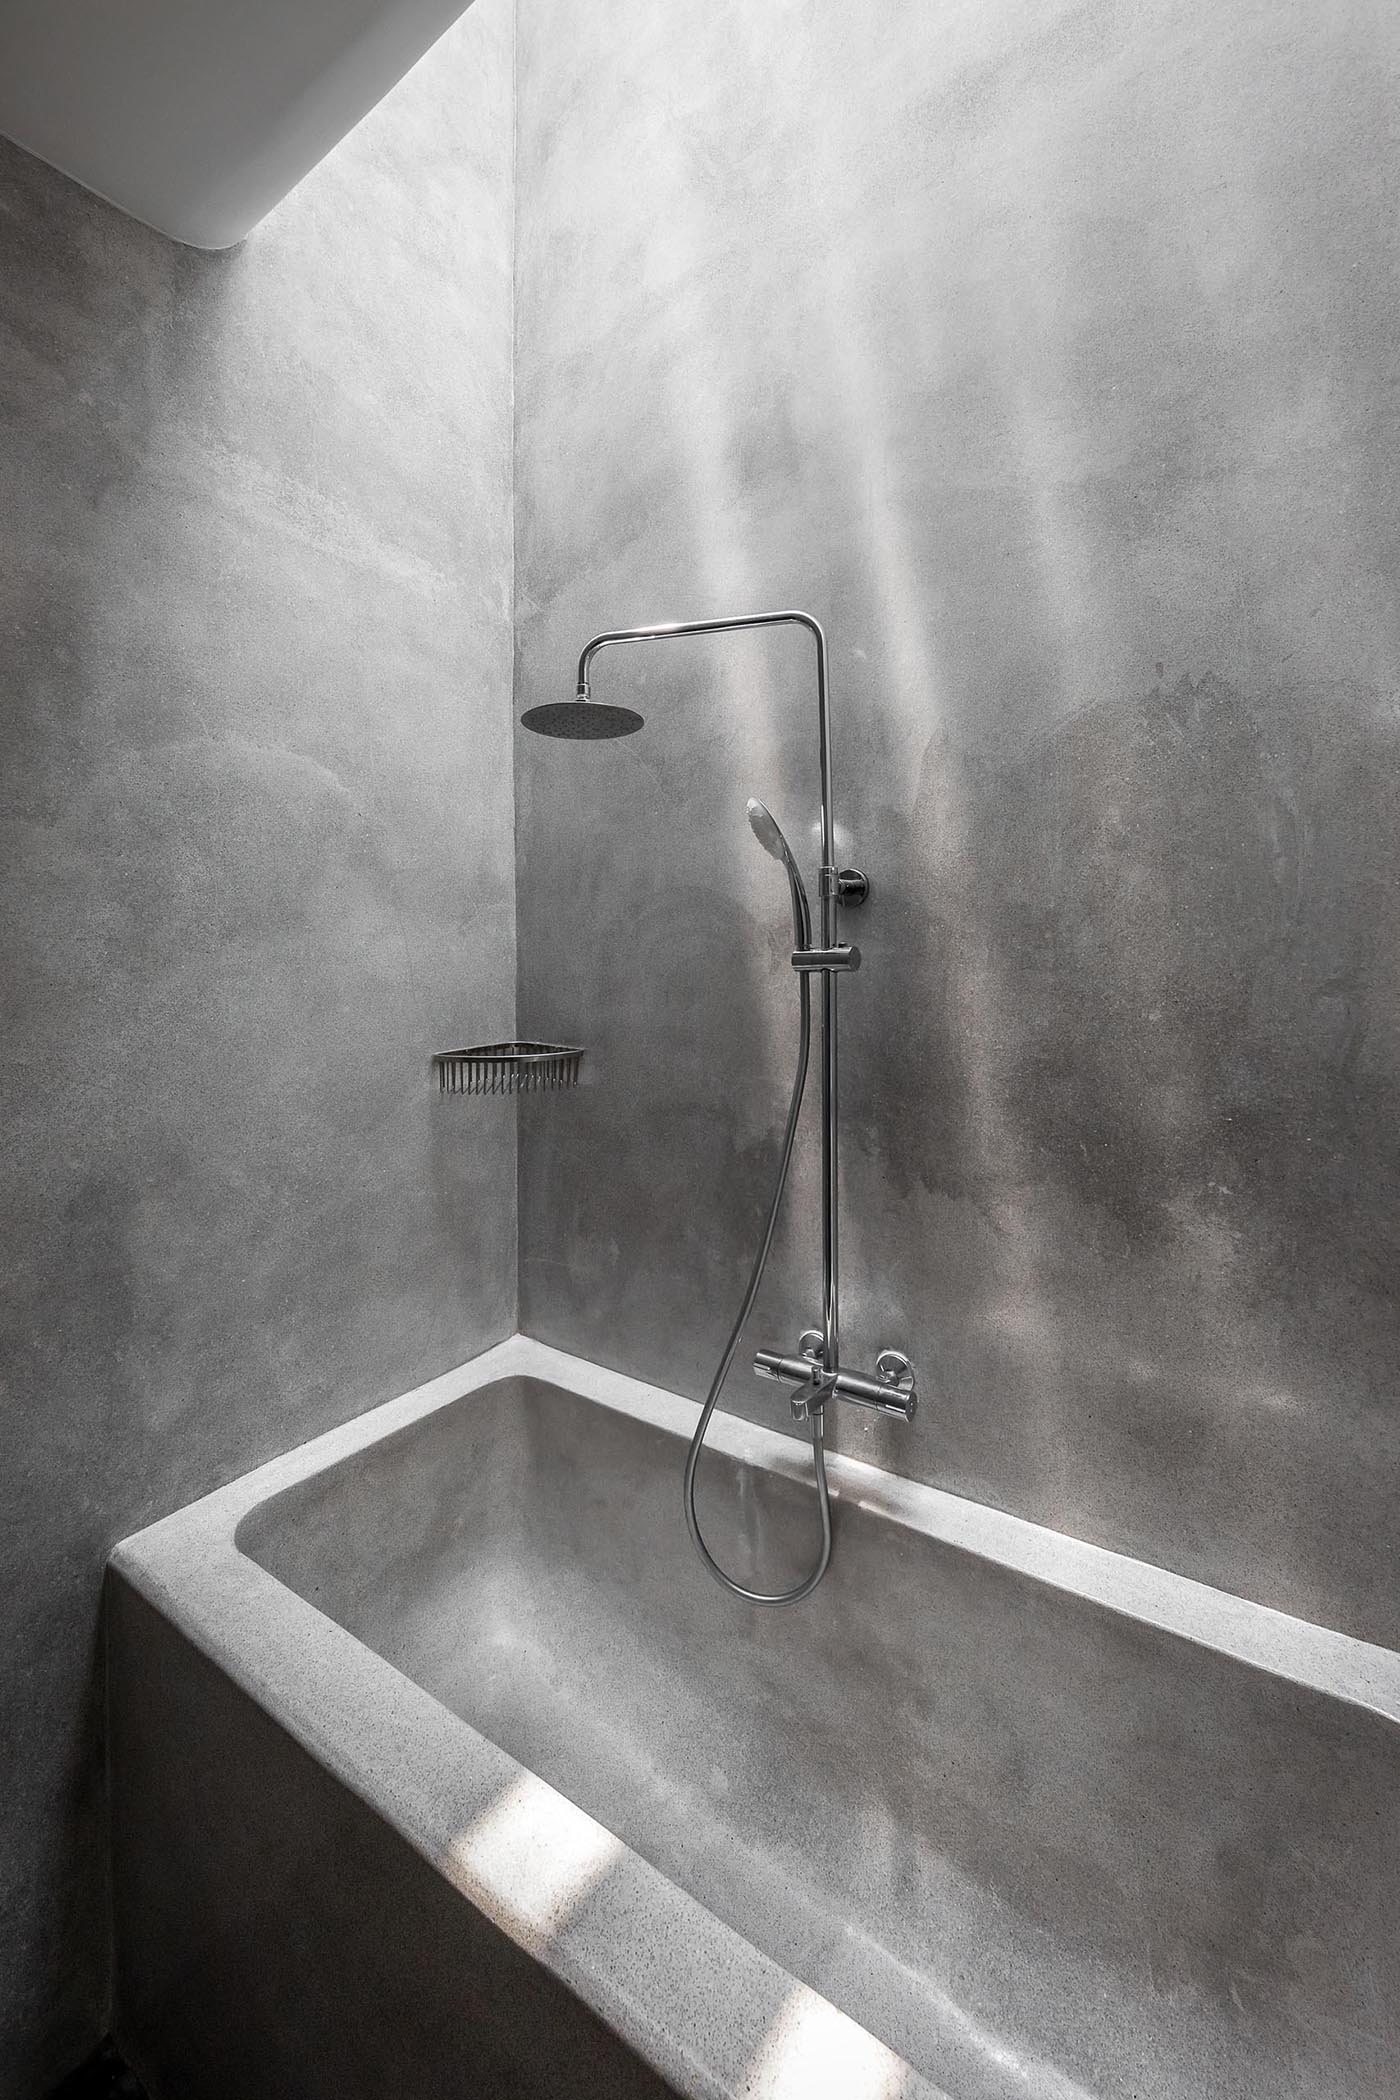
809 1582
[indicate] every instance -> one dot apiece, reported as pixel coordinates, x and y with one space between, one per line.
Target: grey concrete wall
255 664
1048 353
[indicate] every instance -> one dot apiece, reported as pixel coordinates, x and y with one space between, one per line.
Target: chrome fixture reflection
814 1372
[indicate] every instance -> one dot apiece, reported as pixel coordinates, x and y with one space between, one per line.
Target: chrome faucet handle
812 1395
809 1348
893 1368
892 1391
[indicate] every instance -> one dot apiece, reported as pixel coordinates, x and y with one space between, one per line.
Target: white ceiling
199 115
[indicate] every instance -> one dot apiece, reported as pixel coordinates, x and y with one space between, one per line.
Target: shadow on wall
1150 1046
1191 907
90 867
235 1218
1121 1156
1084 355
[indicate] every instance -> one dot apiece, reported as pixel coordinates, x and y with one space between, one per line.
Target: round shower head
581 719
765 828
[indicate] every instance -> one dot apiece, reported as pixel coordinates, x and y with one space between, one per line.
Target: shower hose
809 1582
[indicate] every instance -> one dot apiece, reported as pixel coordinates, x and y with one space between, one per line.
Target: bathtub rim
702 2006
663 1972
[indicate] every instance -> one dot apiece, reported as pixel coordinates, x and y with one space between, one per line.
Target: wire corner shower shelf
507 1068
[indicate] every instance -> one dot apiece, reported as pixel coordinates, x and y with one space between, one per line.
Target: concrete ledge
1317 1657
701 2011
697 2009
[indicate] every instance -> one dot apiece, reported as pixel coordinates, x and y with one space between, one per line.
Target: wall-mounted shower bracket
846 885
840 957
892 1390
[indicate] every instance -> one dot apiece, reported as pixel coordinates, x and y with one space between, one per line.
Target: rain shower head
581 719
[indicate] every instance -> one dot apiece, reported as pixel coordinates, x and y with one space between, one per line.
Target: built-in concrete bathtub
441 1767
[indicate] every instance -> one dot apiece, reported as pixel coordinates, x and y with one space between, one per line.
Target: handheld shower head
767 830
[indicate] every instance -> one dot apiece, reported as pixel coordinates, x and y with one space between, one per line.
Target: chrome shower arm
669 630
830 893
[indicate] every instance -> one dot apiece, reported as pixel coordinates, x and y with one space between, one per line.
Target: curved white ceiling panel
199 115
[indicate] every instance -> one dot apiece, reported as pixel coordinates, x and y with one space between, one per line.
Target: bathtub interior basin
1035 1846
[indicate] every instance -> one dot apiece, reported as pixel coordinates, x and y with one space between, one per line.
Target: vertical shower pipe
828 887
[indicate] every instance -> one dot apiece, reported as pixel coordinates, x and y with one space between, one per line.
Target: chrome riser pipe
815 1372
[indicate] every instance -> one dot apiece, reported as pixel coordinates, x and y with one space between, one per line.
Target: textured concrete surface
335 1879
255 828
279 1937
1033 1845
1048 354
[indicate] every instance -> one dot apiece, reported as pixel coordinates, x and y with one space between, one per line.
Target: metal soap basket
507 1068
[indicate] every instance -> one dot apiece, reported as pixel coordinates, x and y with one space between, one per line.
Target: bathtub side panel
274 1934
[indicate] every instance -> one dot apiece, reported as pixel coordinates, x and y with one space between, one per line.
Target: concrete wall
1048 353
256 833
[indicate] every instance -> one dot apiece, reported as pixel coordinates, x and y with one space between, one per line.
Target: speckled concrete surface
255 663
1051 1837
702 2011
1052 361
1046 350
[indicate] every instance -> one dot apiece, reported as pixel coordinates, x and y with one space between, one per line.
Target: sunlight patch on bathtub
814 2052
530 1859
